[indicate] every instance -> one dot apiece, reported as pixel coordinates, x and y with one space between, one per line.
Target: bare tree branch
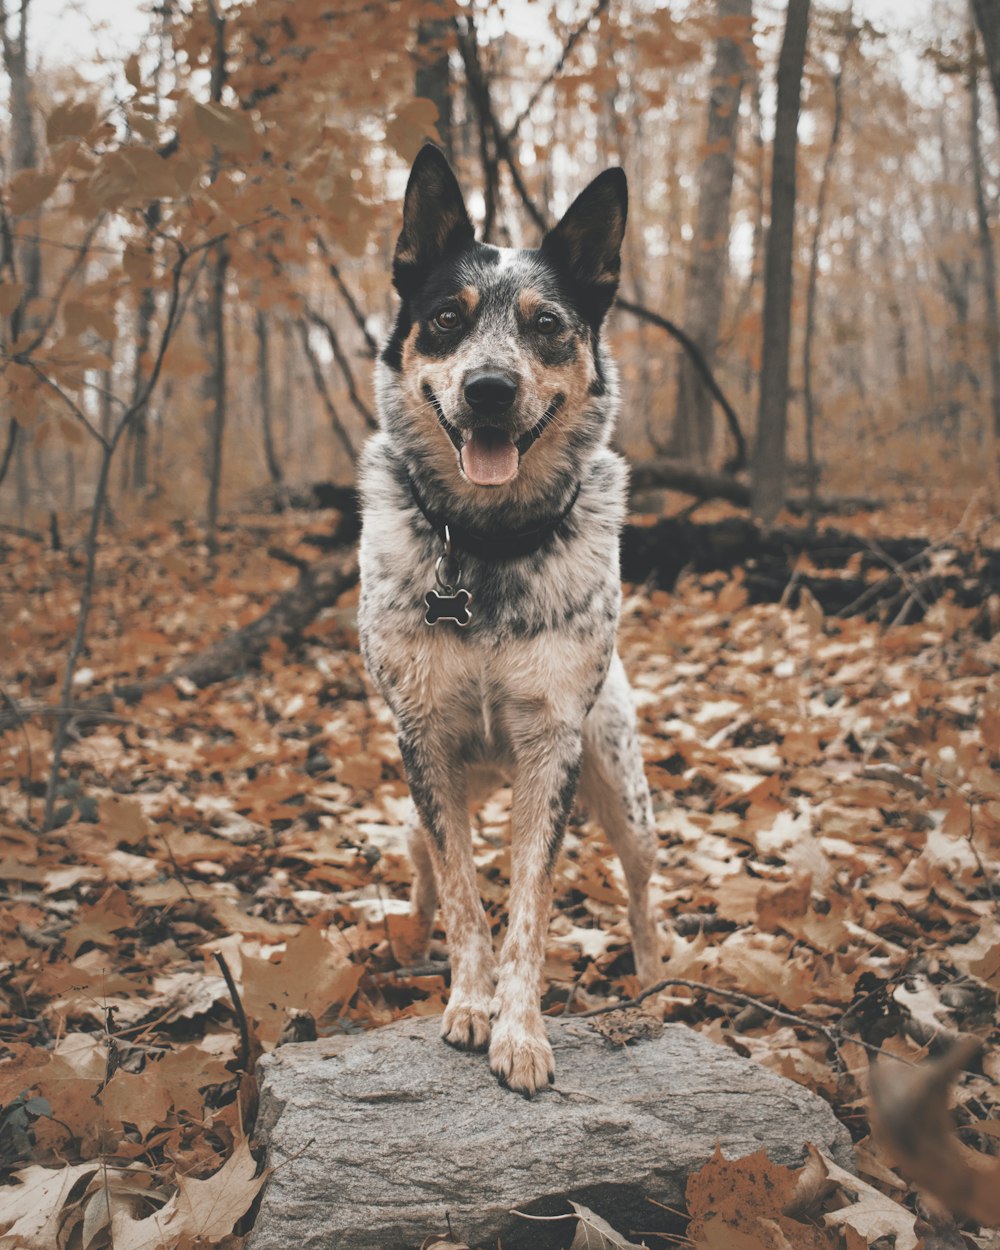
349 299
323 391
345 366
96 514
557 69
739 459
8 451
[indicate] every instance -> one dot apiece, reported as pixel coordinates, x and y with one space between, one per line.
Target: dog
490 589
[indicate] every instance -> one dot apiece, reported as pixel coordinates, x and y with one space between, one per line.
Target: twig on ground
832 1033
243 1058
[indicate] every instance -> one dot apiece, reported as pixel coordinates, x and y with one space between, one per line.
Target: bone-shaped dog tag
452 606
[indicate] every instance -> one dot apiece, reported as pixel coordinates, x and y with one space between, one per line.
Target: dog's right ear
435 221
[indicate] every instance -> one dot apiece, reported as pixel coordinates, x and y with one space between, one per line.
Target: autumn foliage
194 262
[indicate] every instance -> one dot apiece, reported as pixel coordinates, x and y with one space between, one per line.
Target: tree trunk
23 153
706 284
264 391
215 320
987 15
215 383
986 252
769 459
812 283
25 261
433 77
140 434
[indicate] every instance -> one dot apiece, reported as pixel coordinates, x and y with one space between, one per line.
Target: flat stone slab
380 1138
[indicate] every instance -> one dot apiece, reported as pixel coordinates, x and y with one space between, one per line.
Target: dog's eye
447 319
547 323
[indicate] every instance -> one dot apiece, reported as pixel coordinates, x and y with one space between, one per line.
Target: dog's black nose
490 393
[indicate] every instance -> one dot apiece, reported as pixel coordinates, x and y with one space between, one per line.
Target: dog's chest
539 635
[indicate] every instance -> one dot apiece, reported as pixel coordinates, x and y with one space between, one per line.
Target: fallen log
894 579
854 575
661 473
319 586
658 473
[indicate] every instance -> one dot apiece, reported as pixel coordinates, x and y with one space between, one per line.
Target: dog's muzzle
491 455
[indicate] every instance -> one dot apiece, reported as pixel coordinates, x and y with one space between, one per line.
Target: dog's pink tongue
489 457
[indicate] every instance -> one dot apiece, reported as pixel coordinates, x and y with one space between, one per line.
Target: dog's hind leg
613 789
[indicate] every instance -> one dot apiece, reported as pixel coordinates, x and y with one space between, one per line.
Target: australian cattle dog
490 585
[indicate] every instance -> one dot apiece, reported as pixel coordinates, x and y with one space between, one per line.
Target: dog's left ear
435 221
586 245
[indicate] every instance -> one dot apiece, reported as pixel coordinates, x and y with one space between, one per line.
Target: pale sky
64 30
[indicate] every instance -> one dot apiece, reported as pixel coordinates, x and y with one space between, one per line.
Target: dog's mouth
489 455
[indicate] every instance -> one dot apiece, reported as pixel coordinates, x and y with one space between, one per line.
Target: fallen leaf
911 1118
593 1233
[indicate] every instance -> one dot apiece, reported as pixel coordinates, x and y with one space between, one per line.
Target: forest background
200 201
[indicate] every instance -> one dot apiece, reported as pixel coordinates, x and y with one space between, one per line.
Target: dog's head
493 377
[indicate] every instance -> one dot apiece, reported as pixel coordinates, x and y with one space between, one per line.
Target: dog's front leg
548 765
439 789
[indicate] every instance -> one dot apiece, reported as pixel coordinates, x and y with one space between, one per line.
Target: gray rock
376 1137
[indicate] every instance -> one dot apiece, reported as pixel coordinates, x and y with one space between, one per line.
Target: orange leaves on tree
80 316
70 120
411 126
231 130
30 189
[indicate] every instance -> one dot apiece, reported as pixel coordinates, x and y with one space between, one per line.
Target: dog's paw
521 1057
466 1022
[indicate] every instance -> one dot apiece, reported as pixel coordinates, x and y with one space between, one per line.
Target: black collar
494 546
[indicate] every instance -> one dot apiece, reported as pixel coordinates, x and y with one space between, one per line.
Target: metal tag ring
447 574
446 566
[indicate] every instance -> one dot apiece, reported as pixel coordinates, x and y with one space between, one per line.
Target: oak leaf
869 1213
911 1118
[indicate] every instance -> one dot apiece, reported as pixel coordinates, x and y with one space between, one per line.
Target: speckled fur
533 691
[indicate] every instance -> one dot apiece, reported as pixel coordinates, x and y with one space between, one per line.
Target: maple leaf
311 975
209 1208
99 922
31 1211
745 1200
136 1098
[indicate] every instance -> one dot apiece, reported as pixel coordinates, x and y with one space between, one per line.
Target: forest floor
827 793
